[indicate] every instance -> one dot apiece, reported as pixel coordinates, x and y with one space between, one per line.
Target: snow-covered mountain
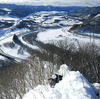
87 27
86 13
73 86
34 24
34 36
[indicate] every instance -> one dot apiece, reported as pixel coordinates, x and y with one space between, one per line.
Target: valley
36 40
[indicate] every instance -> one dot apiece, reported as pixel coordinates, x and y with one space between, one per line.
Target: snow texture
73 86
8 18
96 87
62 34
8 38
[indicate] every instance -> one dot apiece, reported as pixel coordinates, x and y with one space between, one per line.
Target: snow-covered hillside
73 86
23 26
47 26
37 36
9 48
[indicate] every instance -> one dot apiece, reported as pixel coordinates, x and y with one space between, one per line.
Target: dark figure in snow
55 79
16 40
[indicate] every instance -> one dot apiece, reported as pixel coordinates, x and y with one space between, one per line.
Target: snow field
62 34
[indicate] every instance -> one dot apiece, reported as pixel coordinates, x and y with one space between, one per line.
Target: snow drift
73 86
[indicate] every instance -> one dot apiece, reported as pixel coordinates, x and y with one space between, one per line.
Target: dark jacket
52 82
58 78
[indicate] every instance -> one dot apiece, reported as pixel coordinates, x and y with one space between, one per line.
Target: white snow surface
14 52
98 15
62 33
8 38
29 45
8 18
52 18
2 58
73 86
6 9
96 87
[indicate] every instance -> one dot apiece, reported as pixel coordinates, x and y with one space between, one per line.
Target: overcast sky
55 2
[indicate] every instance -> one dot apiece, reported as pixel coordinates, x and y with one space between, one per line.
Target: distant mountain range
90 18
24 10
85 13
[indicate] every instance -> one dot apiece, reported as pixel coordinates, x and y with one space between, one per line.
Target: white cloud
55 2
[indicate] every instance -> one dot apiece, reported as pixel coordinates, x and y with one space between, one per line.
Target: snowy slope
11 51
50 19
56 25
34 22
73 86
7 18
9 48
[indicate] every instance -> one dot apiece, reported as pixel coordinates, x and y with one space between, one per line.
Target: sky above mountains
54 2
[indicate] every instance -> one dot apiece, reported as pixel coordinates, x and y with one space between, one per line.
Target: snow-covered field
8 18
46 19
8 38
46 37
62 33
52 19
73 86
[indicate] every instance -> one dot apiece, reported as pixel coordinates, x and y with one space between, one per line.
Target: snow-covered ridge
98 15
73 86
39 21
3 18
6 9
51 18
14 52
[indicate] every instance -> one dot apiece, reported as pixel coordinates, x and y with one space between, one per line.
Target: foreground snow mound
64 69
96 87
73 86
